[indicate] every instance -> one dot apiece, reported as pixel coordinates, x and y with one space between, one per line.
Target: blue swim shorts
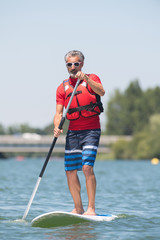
81 148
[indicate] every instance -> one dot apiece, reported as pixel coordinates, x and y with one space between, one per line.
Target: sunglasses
76 64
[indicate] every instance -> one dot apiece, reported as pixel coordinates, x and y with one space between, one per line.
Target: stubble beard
73 73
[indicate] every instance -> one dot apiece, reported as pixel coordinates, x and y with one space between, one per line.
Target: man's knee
88 170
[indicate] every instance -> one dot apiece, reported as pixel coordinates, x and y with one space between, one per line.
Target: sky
119 38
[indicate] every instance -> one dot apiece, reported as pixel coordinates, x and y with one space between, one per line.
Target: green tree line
135 112
128 111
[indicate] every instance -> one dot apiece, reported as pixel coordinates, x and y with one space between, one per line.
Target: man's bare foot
79 211
90 212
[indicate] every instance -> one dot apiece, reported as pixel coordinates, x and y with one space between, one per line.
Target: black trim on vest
90 107
69 95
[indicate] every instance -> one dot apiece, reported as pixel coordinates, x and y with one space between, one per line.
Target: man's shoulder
60 88
94 77
93 74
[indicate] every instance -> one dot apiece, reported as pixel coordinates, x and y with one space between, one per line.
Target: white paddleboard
60 218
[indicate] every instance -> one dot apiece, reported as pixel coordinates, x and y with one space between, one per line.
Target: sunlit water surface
128 189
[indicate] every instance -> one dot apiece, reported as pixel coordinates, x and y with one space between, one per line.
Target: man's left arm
96 87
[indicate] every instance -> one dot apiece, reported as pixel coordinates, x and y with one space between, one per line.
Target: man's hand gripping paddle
49 153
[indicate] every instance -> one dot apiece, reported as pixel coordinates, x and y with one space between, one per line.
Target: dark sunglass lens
76 64
69 64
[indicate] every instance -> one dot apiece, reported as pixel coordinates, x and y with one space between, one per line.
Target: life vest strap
90 107
69 95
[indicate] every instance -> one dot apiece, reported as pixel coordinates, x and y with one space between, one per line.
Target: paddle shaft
49 153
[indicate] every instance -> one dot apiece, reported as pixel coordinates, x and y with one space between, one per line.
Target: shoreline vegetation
133 112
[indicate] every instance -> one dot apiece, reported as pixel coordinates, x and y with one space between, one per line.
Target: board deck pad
60 218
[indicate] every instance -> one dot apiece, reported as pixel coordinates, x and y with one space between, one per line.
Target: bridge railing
39 143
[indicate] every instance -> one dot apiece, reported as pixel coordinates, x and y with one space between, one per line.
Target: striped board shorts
81 148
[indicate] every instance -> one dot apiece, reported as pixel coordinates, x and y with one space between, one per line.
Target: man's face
74 68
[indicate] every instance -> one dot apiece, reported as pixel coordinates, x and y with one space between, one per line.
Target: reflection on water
79 231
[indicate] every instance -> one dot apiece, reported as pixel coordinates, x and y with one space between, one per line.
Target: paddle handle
60 127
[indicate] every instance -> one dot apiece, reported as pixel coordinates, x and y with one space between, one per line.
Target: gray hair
74 53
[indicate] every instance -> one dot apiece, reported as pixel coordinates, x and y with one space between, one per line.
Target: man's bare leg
75 189
91 189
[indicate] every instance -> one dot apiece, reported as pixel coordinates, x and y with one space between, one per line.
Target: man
82 139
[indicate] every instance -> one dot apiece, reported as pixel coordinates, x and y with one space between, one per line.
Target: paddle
49 153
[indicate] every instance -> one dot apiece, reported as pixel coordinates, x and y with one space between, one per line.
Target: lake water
128 189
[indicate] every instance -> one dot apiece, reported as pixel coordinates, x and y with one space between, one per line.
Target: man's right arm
57 119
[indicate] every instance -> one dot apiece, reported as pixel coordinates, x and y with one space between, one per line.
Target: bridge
38 143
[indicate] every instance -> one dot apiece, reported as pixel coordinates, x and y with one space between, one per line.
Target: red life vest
84 103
